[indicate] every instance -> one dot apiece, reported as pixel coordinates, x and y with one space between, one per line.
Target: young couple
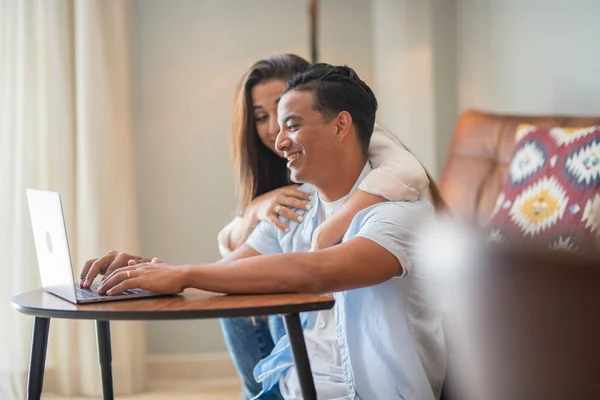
362 189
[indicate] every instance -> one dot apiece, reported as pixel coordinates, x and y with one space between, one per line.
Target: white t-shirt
321 344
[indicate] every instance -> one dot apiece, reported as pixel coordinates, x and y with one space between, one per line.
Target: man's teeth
292 157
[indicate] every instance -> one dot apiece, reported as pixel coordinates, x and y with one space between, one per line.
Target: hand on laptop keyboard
92 291
106 265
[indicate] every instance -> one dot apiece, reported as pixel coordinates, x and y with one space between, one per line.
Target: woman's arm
397 176
236 232
228 240
267 207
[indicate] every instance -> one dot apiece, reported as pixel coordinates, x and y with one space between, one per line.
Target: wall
414 63
444 43
532 56
425 59
188 56
433 59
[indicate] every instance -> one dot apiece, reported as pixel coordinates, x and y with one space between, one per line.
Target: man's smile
291 157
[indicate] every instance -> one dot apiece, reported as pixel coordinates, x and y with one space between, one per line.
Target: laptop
54 258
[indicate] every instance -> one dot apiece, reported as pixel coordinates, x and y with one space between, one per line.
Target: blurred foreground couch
535 322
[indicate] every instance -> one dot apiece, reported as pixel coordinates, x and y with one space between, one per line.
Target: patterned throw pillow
552 197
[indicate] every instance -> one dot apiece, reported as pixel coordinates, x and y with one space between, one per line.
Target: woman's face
265 97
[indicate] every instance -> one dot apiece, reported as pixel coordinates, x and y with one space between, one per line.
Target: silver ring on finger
128 274
277 208
283 199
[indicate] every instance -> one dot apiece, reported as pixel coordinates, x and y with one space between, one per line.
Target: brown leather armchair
477 163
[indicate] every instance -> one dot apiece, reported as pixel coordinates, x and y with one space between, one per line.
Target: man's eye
292 127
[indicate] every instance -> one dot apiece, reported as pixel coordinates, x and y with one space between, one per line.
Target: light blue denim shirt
389 335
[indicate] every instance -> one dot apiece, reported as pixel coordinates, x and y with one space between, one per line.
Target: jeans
249 340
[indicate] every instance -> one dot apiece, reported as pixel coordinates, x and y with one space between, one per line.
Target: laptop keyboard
92 291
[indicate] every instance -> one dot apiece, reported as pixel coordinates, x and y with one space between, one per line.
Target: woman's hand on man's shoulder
285 202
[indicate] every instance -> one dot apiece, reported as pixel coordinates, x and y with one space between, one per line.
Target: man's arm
357 263
379 251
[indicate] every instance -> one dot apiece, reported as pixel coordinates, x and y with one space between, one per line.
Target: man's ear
343 125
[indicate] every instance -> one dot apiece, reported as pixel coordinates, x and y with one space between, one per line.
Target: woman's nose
273 127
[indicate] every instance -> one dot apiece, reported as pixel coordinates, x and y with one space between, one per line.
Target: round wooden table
192 304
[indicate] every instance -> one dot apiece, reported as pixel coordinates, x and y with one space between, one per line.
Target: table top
192 304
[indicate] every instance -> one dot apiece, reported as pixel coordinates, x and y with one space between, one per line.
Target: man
383 340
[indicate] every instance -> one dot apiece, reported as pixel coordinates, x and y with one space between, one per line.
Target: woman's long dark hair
259 169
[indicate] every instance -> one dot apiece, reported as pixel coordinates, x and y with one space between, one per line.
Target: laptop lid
51 244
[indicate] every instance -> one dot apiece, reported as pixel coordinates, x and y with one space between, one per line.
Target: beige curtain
66 125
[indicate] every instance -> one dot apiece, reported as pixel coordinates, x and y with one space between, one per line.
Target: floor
222 393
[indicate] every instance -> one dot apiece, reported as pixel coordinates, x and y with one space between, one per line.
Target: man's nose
282 142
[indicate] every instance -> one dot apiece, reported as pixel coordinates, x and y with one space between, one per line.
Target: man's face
306 138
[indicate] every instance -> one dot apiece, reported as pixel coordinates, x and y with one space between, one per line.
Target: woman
268 195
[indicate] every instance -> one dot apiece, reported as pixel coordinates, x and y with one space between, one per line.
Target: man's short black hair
336 89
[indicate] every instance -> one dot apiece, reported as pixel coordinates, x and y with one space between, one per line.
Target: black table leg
37 362
294 331
104 355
